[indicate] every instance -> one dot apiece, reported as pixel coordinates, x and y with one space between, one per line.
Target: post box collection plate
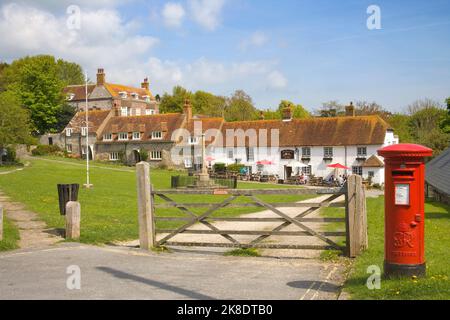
402 194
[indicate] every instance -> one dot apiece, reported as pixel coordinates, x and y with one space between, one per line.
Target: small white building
290 146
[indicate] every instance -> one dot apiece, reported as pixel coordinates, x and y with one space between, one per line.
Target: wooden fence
354 204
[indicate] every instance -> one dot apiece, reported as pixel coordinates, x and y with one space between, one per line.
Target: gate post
145 206
355 216
73 220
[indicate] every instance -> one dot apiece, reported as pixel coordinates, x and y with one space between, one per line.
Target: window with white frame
357 170
124 111
123 94
230 153
250 154
149 112
328 152
107 137
156 135
123 136
307 170
113 156
136 136
156 155
306 152
69 132
135 95
371 174
362 151
69 148
84 131
138 111
188 163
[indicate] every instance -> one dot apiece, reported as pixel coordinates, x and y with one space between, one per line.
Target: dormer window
146 98
70 96
84 131
123 94
123 136
107 137
69 132
136 136
157 135
135 96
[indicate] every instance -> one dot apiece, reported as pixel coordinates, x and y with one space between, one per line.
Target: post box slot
403 173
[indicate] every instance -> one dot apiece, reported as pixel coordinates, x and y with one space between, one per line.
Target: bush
144 155
235 167
44 150
219 167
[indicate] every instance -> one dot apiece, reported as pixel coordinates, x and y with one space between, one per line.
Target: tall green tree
298 111
401 125
206 103
445 125
3 67
174 102
14 122
240 107
38 82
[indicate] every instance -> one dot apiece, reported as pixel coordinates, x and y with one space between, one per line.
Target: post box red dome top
405 150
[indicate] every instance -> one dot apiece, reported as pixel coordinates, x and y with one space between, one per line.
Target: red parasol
209 159
337 166
265 162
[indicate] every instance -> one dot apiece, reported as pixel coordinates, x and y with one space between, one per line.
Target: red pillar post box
404 209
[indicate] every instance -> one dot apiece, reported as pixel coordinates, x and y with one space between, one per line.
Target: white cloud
173 14
207 13
277 80
256 39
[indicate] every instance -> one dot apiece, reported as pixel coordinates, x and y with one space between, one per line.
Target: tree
14 122
38 82
3 67
445 125
208 104
364 108
426 117
271 115
298 111
331 109
64 116
70 73
174 102
401 125
240 107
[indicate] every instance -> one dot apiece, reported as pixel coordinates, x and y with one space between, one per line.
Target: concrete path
33 232
125 273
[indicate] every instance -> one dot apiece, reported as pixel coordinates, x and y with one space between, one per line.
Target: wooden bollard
73 211
145 206
1 222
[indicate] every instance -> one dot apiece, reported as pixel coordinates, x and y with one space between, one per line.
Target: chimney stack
145 85
261 115
287 114
350 110
100 77
187 109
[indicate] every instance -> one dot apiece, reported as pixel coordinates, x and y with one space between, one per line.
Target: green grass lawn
4 168
437 243
10 235
109 210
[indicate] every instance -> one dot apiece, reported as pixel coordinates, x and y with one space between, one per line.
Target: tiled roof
206 124
166 123
373 162
115 89
437 173
96 118
339 131
79 91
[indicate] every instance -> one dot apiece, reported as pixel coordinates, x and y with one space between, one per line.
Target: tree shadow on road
123 275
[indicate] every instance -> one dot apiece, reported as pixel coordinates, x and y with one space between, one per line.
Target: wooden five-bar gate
354 204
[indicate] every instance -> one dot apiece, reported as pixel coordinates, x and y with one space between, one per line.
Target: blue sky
305 51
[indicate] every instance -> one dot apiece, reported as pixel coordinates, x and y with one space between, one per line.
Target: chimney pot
145 85
350 110
101 77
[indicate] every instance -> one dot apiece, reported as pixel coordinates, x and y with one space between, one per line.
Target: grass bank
109 210
10 235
